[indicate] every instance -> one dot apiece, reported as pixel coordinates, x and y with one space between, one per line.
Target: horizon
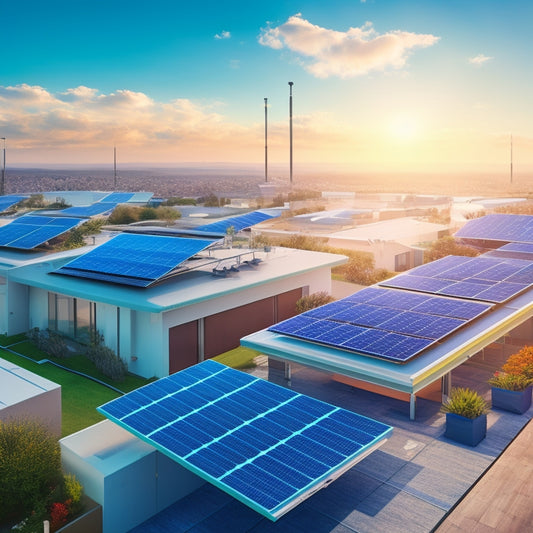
402 86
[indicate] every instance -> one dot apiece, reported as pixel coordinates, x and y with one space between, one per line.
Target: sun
404 128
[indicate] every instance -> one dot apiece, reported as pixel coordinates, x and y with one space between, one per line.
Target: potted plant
512 388
466 416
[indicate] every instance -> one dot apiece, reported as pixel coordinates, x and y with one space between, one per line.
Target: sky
379 85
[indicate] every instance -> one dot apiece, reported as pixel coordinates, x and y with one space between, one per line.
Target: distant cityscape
243 181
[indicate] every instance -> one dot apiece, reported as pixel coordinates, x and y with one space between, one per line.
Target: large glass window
72 317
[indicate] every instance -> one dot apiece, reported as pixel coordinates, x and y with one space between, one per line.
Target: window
72 317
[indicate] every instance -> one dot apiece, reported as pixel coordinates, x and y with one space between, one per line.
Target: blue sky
379 85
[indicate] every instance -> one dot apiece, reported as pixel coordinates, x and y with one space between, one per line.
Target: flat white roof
19 384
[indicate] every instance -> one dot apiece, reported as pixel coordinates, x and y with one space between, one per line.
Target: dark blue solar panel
498 227
282 449
134 259
8 201
238 223
379 320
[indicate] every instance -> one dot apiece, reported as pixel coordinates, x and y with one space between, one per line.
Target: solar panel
513 250
389 324
499 227
98 208
238 223
30 231
483 278
267 446
118 197
134 259
8 201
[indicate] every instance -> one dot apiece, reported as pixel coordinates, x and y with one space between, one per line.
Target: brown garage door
183 346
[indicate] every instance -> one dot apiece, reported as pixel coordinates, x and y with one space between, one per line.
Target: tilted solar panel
118 197
483 278
267 446
98 208
238 223
134 259
30 231
389 324
8 201
499 227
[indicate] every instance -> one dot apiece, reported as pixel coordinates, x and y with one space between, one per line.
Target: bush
448 246
515 382
106 360
305 303
465 402
521 363
50 342
30 464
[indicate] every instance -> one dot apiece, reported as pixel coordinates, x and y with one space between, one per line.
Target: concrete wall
17 308
128 477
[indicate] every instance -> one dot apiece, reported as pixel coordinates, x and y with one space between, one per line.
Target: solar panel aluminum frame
375 438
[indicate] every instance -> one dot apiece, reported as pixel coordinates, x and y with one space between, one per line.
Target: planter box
510 400
470 431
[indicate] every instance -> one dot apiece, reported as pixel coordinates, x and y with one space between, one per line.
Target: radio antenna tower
114 168
266 145
290 127
511 158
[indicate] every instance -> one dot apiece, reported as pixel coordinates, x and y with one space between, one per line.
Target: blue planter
470 431
511 400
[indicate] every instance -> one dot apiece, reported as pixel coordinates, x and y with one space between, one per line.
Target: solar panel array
118 197
267 446
513 250
8 201
483 278
388 324
134 259
238 223
30 231
98 208
508 228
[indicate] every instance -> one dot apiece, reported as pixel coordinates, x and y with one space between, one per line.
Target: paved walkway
502 500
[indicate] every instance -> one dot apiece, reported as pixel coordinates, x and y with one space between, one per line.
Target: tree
30 464
448 246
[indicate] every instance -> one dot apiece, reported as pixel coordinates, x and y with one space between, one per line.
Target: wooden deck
502 500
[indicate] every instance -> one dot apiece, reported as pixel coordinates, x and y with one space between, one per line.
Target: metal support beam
412 406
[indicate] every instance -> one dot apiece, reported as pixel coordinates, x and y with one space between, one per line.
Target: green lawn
81 396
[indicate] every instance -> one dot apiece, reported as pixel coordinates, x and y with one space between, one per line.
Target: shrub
465 402
313 300
30 463
448 246
516 382
106 360
50 342
521 363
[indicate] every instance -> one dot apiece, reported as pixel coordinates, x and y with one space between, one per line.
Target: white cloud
223 35
354 52
479 60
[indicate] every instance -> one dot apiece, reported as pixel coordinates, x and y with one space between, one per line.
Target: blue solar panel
238 223
8 201
118 197
506 228
382 323
98 208
30 231
513 250
135 259
267 446
483 278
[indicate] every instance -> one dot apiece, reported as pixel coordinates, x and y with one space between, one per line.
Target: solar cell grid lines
267 446
483 278
389 324
499 227
238 223
135 259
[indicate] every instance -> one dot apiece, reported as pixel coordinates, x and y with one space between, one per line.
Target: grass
81 396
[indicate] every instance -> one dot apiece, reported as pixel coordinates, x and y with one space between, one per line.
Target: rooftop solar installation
8 201
238 223
30 231
98 208
498 227
513 250
135 259
484 278
118 197
384 323
267 446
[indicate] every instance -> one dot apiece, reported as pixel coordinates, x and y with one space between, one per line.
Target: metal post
266 144
114 168
290 127
412 406
3 182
